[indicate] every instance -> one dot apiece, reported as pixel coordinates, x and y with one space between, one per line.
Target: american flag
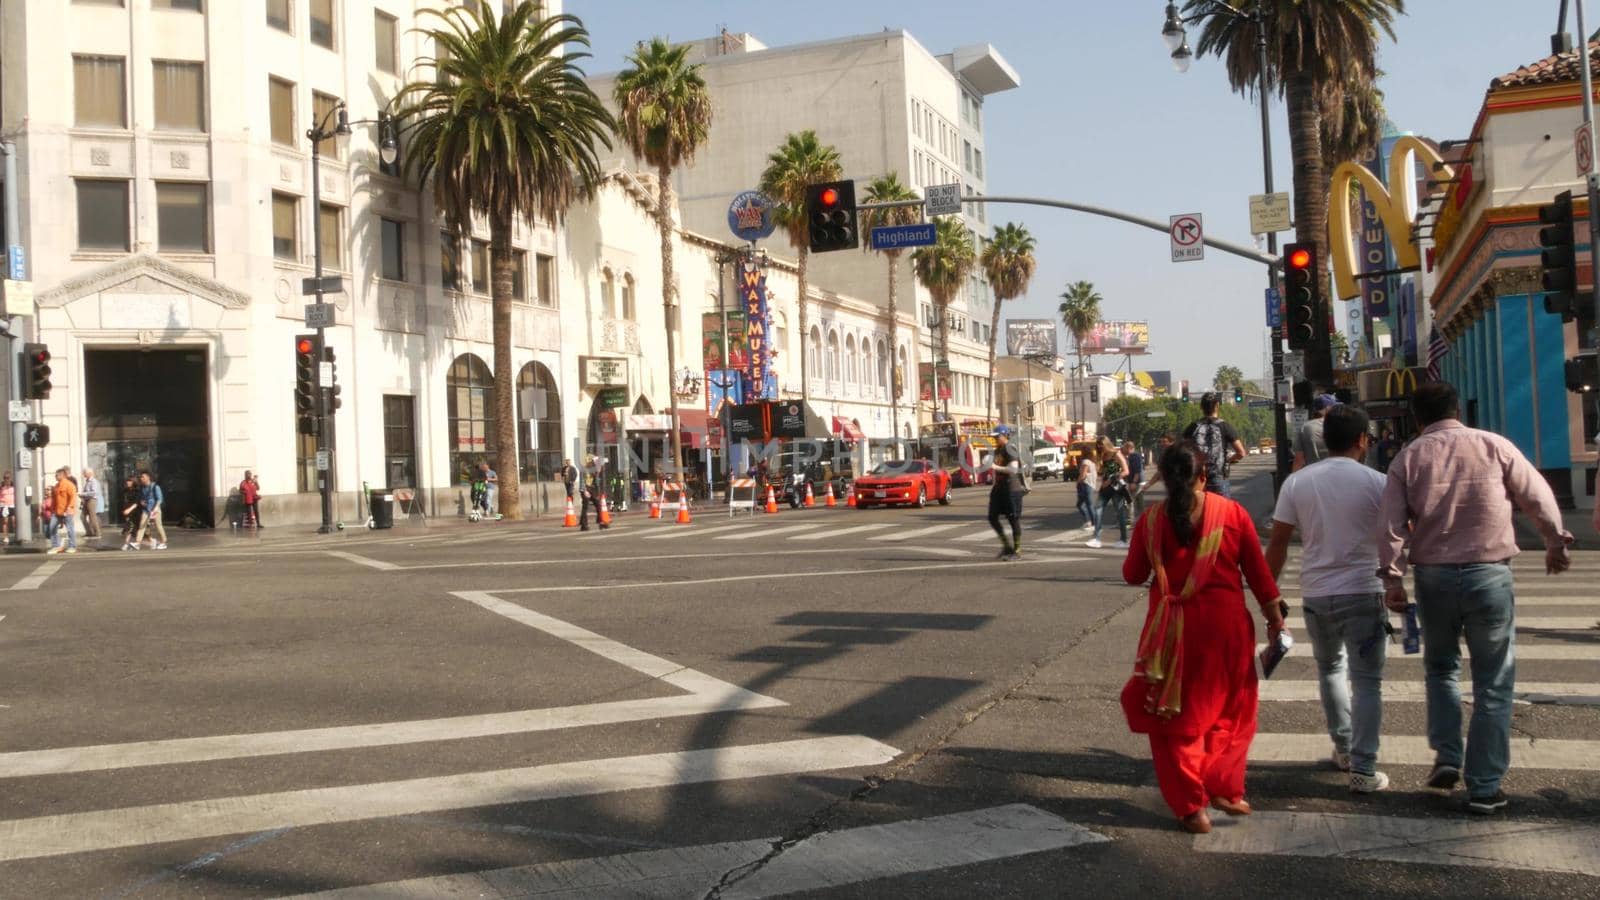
1438 349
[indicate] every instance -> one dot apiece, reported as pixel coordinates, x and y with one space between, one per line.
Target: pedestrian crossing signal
36 437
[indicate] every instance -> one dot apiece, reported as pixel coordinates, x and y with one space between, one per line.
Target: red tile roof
1550 70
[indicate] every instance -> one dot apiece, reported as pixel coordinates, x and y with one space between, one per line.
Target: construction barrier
741 495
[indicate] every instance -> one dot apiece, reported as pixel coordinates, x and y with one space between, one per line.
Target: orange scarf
1160 659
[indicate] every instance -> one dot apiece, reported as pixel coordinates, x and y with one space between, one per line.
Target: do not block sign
1188 237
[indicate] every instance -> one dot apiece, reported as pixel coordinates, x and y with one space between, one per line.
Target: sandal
1196 822
1239 807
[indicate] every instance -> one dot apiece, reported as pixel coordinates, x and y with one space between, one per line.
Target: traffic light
333 385
1559 259
831 213
1186 392
1305 322
307 351
1094 393
36 378
1238 396
1582 374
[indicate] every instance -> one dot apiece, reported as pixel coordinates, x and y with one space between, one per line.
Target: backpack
1208 435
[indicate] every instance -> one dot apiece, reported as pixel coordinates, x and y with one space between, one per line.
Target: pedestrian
1387 448
8 509
1193 690
63 506
491 485
250 498
1005 494
132 512
590 489
150 500
569 478
1334 504
1447 508
89 493
1089 490
1309 445
1166 442
1218 441
1114 494
1135 459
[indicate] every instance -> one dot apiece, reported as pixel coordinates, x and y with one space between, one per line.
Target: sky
1102 118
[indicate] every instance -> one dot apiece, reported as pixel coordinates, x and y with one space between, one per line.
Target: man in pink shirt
1449 502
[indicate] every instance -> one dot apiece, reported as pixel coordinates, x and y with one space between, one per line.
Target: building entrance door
148 409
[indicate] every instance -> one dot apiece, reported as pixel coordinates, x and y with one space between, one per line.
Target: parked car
913 482
1049 462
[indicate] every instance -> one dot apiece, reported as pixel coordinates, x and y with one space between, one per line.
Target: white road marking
1071 535
985 535
822 861
367 561
1557 623
136 826
1531 846
34 581
1413 750
915 532
1574 693
687 532
1525 651
769 532
840 532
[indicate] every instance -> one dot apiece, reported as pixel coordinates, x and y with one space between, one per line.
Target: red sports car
913 482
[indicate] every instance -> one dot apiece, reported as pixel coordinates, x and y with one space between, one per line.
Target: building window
977 161
186 5
102 215
99 92
305 459
815 367
628 310
280 15
322 23
322 107
833 359
285 227
480 267
608 294
519 278
181 218
536 386
385 38
180 89
393 247
280 107
331 222
400 440
546 275
469 401
449 262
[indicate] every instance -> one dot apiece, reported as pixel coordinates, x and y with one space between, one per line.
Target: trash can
382 508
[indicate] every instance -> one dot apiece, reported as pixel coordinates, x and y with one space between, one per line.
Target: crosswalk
851 530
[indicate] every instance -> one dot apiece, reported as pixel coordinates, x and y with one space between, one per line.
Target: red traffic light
829 198
303 345
1299 259
41 356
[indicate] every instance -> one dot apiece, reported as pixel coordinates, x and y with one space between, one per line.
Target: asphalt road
833 703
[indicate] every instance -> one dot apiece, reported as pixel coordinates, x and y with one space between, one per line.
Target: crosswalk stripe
1411 691
840 532
1069 536
1552 623
770 532
1525 651
679 532
985 535
138 825
1532 846
1413 750
915 532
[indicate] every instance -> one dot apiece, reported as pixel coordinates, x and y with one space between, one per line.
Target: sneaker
127 546
1093 543
1005 553
1489 805
1368 784
54 550
72 549
161 546
1340 760
1444 778
1121 545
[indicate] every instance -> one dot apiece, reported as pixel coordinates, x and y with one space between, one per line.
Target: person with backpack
1218 442
1114 494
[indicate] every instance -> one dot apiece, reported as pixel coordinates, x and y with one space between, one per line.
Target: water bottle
1411 636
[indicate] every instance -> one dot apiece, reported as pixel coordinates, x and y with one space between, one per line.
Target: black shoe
1488 805
1006 552
1444 778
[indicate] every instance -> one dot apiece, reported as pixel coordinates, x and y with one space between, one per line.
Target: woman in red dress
1193 690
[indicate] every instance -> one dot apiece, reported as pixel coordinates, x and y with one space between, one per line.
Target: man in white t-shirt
1335 506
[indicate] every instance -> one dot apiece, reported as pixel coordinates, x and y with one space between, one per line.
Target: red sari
1200 747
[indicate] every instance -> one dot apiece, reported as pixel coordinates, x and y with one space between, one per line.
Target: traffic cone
850 496
683 509
810 502
570 520
605 512
772 502
655 506
830 502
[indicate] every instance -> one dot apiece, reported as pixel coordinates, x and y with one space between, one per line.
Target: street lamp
1175 35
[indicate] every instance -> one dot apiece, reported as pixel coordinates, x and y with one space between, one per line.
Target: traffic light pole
324 413
22 516
1593 178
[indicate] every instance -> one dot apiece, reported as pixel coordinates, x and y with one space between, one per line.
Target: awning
847 429
636 422
1052 436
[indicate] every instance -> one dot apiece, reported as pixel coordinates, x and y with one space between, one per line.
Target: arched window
469 407
608 294
780 332
833 358
628 310
850 368
815 366
905 374
883 369
537 386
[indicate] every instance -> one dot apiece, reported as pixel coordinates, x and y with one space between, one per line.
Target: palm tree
1080 313
1312 46
1352 121
943 268
1008 262
801 160
504 125
889 189
664 117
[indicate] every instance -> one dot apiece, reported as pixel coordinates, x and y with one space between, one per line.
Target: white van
1049 462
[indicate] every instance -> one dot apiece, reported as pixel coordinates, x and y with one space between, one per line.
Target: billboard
1031 337
1161 382
1131 338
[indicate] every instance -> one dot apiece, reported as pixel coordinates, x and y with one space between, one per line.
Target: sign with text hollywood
1130 338
1031 337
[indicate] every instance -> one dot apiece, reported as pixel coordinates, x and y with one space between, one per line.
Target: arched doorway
469 402
536 385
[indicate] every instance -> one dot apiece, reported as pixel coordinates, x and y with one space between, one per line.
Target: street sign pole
325 478
1593 178
17 334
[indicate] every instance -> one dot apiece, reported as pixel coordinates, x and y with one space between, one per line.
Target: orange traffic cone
810 502
570 520
772 502
655 506
850 496
830 502
605 512
683 510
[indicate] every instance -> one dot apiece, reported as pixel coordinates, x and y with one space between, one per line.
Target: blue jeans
1119 508
61 523
1222 486
1087 506
1476 600
1347 635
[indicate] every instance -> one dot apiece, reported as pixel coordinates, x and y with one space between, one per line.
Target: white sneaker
72 549
1341 761
1121 545
127 546
1368 784
54 550
161 546
1093 543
